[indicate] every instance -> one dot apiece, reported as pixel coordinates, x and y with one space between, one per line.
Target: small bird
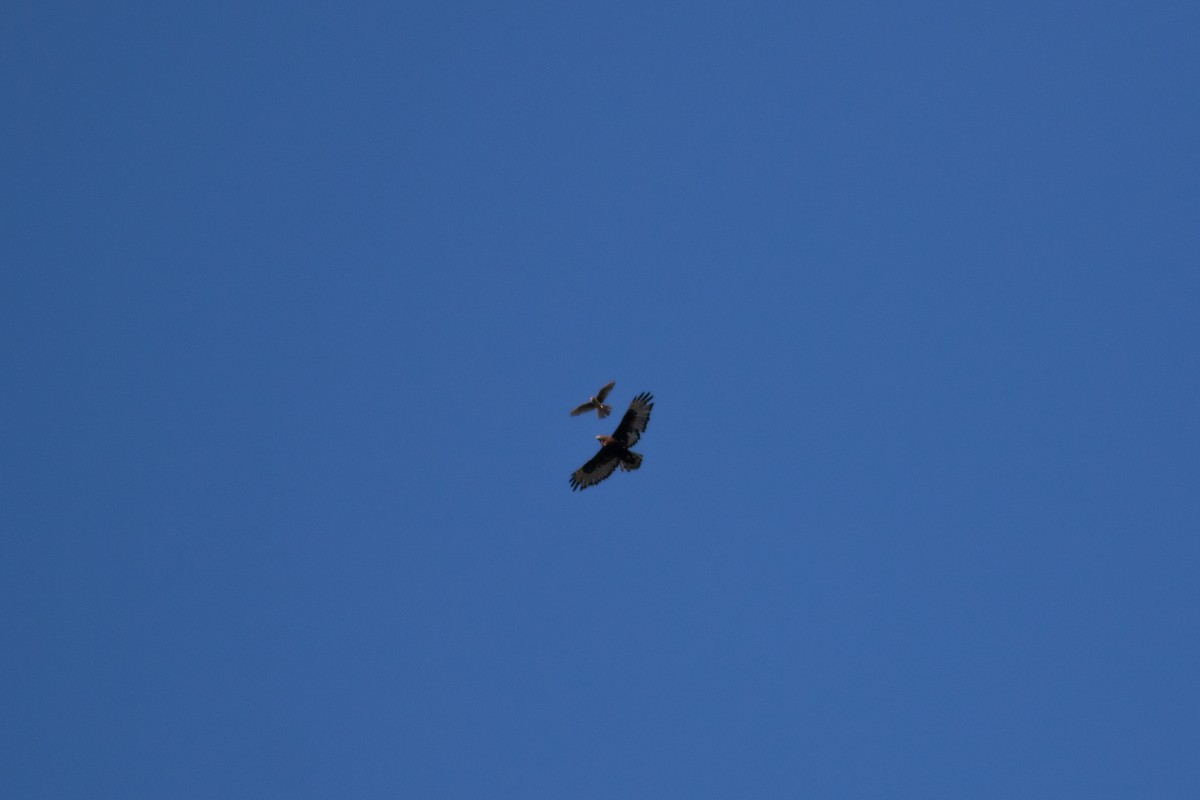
597 402
614 450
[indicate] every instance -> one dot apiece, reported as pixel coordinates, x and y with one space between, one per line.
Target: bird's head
604 439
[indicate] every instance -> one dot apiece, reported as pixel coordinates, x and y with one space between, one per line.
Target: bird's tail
630 460
603 410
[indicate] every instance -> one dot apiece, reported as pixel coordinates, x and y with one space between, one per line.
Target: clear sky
296 298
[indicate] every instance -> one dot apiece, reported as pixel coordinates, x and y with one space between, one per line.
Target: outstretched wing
604 392
588 406
596 470
635 420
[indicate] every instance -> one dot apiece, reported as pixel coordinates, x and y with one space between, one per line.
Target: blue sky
296 298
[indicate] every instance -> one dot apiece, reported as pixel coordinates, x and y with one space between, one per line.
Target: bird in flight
614 450
597 402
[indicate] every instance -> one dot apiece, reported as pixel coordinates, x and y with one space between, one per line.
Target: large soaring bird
596 402
614 450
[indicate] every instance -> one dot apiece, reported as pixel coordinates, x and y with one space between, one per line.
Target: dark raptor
614 449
